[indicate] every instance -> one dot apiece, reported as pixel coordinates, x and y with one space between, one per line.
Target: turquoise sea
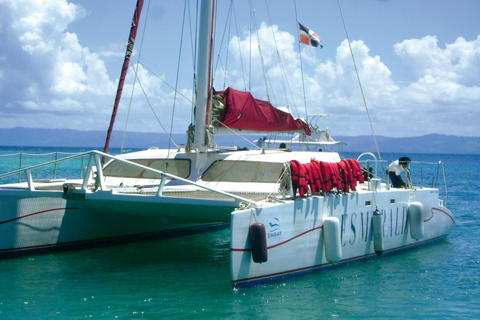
188 277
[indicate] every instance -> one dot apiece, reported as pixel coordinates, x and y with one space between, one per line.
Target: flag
309 37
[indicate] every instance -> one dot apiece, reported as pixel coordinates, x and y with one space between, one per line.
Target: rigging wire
135 79
239 48
186 98
301 66
164 81
266 78
282 68
361 90
148 100
226 58
175 88
177 76
194 55
278 54
221 46
250 57
192 46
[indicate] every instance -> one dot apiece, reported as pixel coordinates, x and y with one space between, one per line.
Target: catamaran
289 212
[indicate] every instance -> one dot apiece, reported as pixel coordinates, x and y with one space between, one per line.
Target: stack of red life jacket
325 176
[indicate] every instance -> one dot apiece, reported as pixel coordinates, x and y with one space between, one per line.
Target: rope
285 180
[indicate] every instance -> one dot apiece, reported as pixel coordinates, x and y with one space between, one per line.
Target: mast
204 58
128 53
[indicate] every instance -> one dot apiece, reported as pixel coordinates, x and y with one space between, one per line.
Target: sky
418 62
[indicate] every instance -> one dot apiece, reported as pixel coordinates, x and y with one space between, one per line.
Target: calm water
188 277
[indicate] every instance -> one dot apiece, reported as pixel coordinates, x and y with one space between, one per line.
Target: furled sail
243 111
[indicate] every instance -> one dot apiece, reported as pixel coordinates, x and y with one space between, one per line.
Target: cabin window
177 167
243 171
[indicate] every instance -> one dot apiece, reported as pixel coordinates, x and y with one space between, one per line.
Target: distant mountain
76 138
432 143
28 137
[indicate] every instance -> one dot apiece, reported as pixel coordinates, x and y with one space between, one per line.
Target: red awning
243 111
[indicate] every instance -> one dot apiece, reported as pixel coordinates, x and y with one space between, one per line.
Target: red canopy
243 111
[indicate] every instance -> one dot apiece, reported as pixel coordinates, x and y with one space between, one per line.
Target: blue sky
419 63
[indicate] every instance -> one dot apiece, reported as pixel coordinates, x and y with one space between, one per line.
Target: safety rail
428 172
26 157
94 166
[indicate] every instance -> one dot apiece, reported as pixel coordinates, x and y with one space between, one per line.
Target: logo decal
275 228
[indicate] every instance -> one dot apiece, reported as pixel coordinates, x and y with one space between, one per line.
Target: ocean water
188 277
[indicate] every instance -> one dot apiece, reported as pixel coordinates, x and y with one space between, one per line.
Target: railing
428 173
94 168
18 160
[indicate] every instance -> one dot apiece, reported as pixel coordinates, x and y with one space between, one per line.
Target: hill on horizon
33 137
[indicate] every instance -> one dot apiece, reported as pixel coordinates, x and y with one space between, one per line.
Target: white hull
45 214
295 234
43 219
154 191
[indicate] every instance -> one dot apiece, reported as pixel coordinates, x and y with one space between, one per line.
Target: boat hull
44 219
296 236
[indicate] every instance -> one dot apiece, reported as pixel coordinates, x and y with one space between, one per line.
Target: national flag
309 37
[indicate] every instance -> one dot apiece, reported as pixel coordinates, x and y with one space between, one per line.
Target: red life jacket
356 170
299 178
326 177
310 177
335 176
352 180
317 174
294 171
344 176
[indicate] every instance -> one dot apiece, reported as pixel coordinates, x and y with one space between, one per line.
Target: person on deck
395 169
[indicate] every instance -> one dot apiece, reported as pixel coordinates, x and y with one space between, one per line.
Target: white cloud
331 87
443 81
54 80
459 61
38 22
445 92
339 80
